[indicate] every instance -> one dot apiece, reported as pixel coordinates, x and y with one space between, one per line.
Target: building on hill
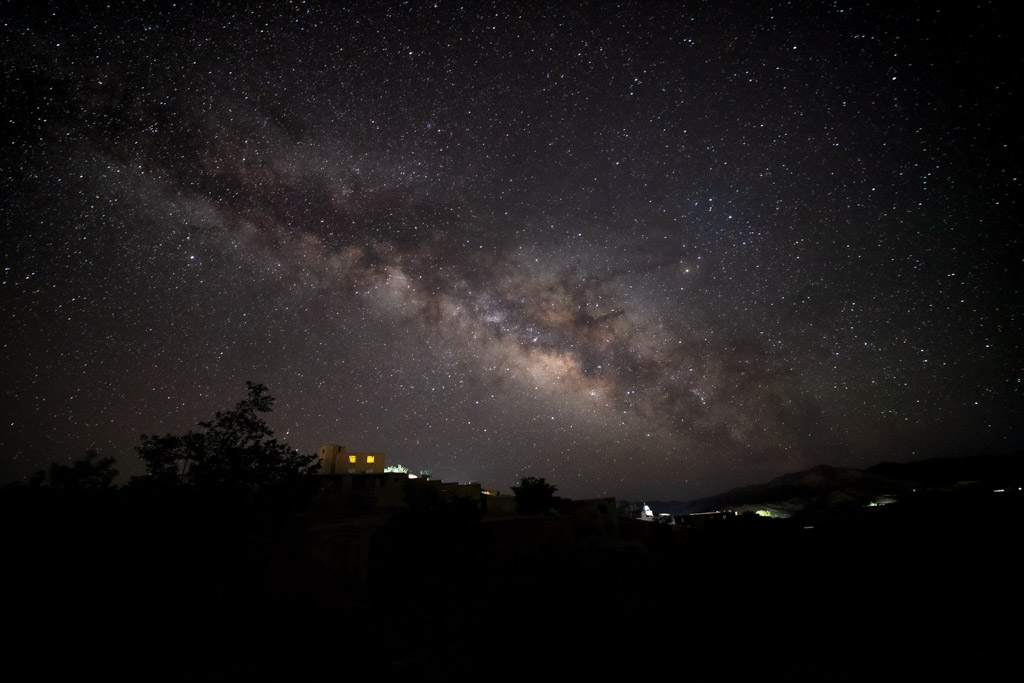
393 490
334 459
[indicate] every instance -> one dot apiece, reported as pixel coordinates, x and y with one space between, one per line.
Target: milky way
639 249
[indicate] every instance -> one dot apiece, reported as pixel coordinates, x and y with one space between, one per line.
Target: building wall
499 506
345 491
334 459
596 515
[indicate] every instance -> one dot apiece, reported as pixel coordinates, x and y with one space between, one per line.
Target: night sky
649 250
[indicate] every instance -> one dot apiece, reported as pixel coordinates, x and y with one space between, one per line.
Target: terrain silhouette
172 579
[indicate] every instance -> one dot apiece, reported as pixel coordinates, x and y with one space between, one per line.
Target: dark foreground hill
185 589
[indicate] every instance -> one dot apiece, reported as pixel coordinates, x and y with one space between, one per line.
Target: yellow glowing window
369 459
351 458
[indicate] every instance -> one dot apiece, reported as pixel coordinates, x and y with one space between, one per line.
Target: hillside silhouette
185 582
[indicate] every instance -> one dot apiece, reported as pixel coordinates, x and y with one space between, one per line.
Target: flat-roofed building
334 459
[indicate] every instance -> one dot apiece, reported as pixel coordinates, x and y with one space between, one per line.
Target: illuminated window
369 459
351 458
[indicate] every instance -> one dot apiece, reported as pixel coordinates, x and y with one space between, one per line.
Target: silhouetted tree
627 509
91 473
235 449
534 496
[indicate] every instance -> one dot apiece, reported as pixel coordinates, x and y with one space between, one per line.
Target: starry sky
641 249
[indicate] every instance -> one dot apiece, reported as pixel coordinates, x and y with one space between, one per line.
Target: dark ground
116 586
